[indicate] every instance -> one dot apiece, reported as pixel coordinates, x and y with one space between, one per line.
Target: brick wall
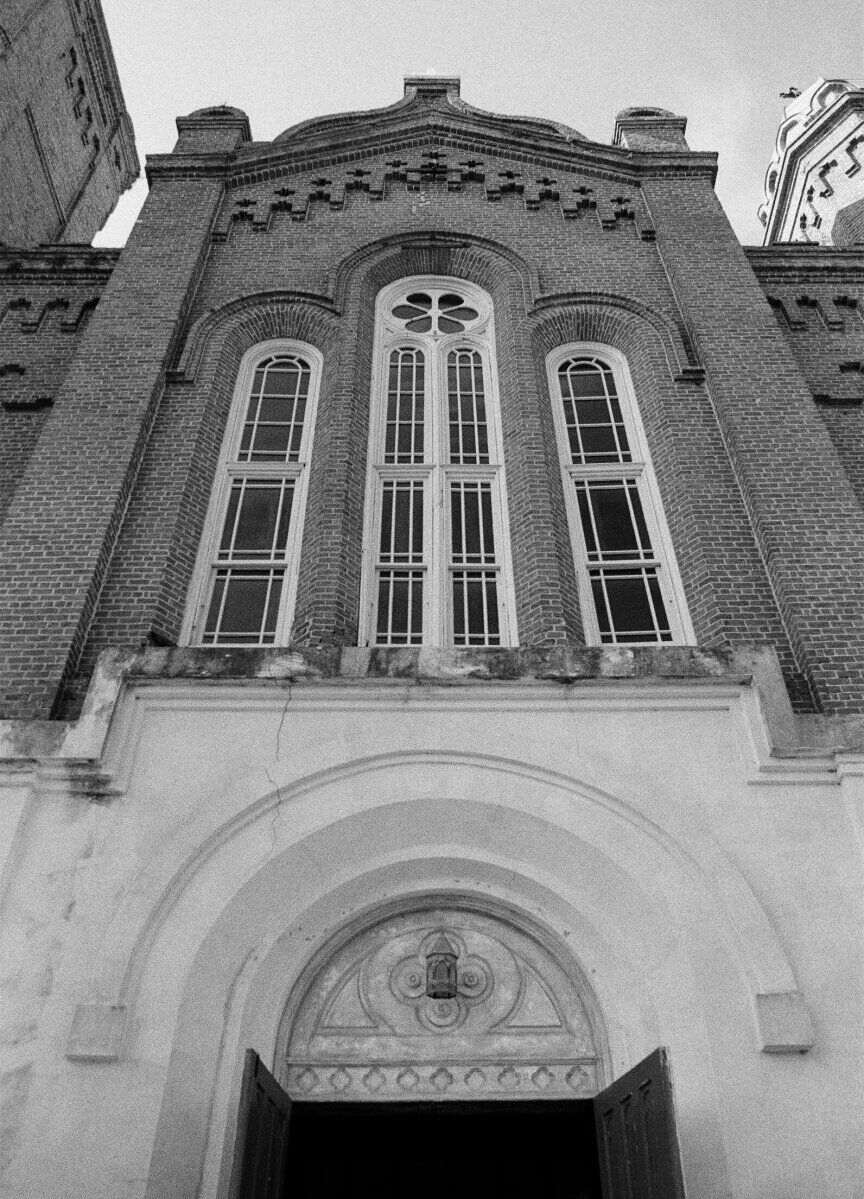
46 299
817 296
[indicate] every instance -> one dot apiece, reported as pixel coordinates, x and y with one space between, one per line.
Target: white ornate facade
816 173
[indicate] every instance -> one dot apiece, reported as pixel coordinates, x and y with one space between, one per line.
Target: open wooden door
261 1144
636 1137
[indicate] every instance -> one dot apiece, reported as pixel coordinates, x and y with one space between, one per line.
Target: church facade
432 581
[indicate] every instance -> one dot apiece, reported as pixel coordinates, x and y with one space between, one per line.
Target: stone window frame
641 470
230 468
437 628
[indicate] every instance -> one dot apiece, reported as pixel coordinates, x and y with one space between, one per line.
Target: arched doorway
446 1046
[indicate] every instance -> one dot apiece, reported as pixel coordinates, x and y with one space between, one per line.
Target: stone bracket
784 1023
97 1033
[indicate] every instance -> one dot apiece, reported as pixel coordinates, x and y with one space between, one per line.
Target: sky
722 65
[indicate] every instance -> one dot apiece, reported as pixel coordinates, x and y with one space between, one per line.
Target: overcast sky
722 65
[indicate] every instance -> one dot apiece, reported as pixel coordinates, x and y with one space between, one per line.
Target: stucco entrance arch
244 894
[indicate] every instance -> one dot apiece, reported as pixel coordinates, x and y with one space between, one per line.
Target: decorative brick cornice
63 264
259 162
796 259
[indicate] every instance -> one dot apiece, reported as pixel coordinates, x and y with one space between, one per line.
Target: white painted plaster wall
641 830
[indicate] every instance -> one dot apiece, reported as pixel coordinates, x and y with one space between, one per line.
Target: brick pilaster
64 520
807 521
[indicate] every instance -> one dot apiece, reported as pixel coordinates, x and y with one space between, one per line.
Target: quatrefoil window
444 312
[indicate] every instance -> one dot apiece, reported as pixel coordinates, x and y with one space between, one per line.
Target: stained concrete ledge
447 666
70 746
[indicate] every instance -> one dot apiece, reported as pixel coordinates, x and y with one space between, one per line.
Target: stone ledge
446 666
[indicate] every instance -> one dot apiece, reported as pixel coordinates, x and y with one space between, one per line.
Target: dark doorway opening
621 1144
497 1150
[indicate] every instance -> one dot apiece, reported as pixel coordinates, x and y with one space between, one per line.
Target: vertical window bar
615 417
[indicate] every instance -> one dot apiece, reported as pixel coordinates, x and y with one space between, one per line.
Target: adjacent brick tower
67 148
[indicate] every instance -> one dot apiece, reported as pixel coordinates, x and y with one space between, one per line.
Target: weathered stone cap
643 128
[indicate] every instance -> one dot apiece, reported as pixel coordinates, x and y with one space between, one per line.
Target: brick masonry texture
242 242
67 150
46 300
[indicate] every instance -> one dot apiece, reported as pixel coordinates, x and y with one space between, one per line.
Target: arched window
246 578
628 582
437 566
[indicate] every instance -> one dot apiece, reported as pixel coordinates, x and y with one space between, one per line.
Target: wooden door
261 1144
637 1141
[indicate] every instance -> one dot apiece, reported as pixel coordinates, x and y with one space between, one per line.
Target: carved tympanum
441 981
441 1003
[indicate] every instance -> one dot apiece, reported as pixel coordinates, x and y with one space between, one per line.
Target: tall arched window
246 578
629 586
437 543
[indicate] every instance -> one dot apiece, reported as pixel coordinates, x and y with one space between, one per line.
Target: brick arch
159 541
478 259
600 310
247 312
327 611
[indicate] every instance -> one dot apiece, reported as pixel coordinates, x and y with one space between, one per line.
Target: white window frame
230 468
639 469
435 470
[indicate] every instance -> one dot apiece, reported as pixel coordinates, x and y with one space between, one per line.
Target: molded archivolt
219 322
619 312
258 818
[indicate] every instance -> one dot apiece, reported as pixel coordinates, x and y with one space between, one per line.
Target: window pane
629 605
401 522
612 520
475 608
399 618
592 413
472 539
244 607
403 435
257 519
276 412
469 434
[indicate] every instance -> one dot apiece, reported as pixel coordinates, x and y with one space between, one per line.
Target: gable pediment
426 100
431 114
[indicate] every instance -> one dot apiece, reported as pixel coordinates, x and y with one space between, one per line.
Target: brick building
431 577
67 150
